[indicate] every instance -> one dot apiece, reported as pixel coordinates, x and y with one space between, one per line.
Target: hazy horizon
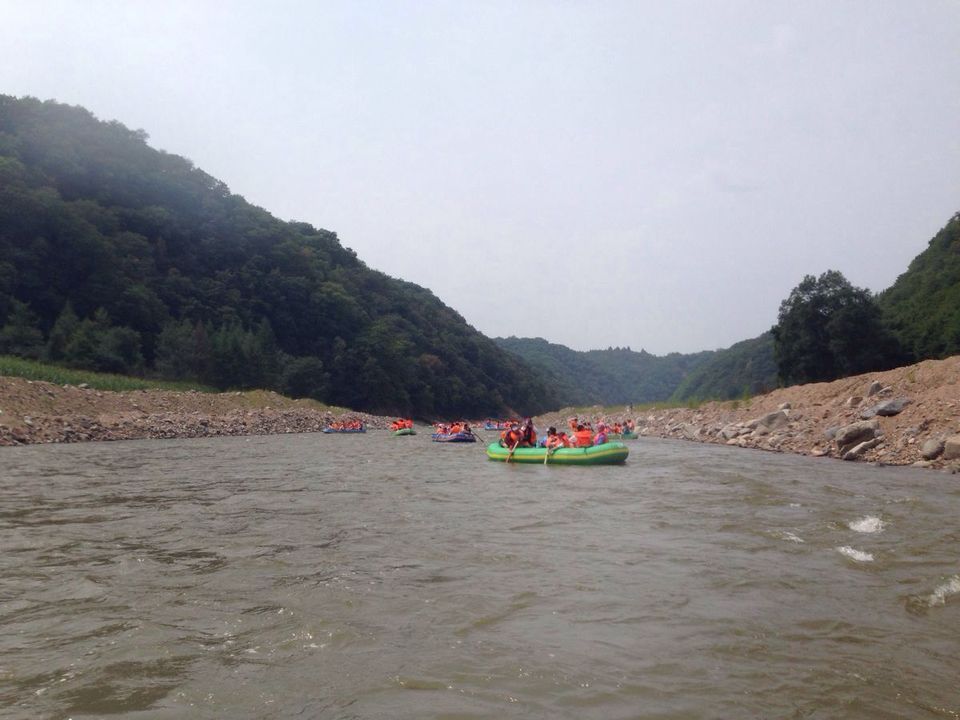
657 176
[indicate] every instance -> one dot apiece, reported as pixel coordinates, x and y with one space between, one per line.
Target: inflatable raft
461 437
611 453
343 432
623 436
404 431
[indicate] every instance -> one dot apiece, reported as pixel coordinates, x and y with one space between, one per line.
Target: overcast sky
656 175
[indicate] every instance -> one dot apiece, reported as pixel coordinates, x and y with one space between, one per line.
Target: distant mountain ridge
618 376
921 308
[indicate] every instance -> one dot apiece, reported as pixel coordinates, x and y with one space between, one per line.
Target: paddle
546 456
510 454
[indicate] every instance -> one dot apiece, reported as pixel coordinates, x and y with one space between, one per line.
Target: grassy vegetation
33 370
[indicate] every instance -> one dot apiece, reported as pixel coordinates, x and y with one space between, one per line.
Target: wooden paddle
510 454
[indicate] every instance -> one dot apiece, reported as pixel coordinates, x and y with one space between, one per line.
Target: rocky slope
40 412
906 416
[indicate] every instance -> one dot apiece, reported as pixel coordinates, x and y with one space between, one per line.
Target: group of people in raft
456 428
342 425
581 435
401 424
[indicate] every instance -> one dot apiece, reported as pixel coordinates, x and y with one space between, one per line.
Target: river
366 576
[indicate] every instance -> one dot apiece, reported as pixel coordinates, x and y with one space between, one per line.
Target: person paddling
510 438
554 440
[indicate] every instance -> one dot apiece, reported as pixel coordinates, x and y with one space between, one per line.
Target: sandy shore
906 416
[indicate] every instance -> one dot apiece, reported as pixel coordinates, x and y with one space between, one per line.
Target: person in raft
510 438
583 437
556 440
528 436
601 437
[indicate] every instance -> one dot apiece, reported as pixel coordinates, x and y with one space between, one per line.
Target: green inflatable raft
404 431
611 453
623 436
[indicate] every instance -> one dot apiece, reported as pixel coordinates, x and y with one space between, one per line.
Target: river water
352 576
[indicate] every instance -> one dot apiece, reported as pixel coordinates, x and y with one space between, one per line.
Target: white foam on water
787 535
854 554
867 524
942 592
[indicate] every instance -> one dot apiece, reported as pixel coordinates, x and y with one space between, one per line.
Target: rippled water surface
312 576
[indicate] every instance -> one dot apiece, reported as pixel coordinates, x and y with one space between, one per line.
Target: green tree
98 345
304 377
827 328
175 353
61 333
21 336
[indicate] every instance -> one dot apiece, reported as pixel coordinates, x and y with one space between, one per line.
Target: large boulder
892 407
859 449
729 432
770 421
931 449
887 408
951 448
854 433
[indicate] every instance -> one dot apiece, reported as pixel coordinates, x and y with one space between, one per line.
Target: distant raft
404 431
622 436
343 431
611 453
460 437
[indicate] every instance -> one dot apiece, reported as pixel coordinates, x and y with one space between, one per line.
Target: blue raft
461 437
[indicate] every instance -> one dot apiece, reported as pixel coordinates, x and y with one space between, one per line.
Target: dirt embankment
906 416
40 412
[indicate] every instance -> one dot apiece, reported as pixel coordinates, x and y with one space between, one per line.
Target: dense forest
922 307
741 370
614 376
115 256
618 376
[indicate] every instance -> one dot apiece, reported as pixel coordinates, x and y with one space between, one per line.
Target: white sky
651 174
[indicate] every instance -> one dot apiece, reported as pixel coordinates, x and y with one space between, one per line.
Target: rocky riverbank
40 412
906 416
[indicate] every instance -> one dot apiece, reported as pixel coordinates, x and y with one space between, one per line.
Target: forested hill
826 324
115 256
620 375
923 306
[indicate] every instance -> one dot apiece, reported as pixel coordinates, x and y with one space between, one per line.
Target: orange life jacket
584 438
